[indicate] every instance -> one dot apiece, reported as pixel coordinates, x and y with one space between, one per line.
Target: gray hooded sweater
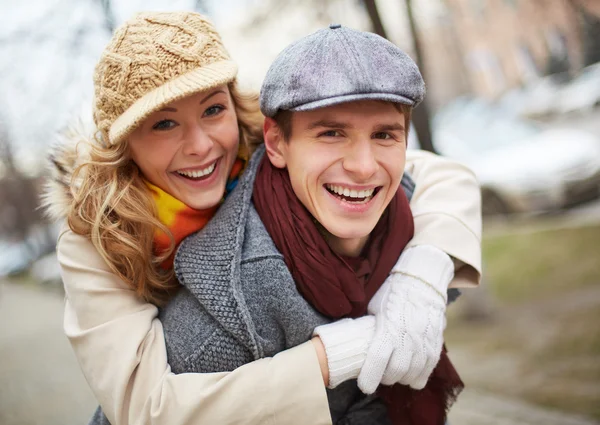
239 303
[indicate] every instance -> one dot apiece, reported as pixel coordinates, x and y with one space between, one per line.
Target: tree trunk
375 18
109 17
420 116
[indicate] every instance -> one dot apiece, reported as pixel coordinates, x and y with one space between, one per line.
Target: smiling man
338 105
345 164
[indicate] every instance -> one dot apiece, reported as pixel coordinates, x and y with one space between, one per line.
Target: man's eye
213 110
381 135
164 125
330 133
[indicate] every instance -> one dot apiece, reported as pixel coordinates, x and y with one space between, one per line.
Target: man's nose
360 159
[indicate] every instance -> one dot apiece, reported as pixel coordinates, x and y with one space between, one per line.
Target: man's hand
410 319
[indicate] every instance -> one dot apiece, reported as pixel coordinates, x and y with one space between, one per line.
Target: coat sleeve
120 345
446 207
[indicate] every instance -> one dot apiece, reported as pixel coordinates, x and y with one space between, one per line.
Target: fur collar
69 151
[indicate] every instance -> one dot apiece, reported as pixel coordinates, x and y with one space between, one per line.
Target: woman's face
188 147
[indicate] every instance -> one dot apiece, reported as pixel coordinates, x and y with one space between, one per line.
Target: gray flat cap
336 65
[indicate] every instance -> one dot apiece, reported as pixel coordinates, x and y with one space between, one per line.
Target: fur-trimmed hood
66 154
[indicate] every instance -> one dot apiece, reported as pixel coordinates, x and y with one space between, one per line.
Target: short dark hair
284 120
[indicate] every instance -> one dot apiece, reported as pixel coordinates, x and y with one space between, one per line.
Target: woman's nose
197 142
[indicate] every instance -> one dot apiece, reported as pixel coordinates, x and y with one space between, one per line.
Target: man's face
345 164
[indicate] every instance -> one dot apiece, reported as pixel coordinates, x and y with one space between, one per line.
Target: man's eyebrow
329 124
390 127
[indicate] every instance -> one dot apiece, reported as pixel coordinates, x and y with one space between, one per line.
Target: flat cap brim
323 103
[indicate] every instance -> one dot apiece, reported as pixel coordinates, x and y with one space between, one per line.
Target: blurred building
506 43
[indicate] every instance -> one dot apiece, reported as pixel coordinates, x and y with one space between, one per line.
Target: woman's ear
274 143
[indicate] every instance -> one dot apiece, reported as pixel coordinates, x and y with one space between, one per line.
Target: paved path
40 381
480 408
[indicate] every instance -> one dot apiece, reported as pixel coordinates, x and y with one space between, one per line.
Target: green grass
523 267
542 343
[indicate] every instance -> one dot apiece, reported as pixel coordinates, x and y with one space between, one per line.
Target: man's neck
347 247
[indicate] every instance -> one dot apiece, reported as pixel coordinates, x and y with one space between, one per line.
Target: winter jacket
120 344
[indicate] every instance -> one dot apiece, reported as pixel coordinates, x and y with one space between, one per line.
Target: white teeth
199 173
344 191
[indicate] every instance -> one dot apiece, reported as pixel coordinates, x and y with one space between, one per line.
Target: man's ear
274 143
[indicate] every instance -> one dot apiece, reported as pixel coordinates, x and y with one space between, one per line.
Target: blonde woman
173 136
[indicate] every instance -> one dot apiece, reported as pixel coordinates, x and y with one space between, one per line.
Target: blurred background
513 92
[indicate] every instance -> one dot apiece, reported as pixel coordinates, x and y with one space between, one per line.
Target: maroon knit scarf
339 287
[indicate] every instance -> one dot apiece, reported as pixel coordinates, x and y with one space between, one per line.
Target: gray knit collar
208 262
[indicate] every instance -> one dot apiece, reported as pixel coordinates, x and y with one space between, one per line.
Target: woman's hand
410 317
322 356
344 345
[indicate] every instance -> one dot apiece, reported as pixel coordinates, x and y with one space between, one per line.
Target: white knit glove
346 342
409 311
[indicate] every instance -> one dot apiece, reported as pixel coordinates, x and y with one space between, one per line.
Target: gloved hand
410 319
346 342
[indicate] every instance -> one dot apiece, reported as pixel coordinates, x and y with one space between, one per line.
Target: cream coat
120 345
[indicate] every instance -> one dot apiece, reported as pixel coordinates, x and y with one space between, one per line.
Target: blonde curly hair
113 207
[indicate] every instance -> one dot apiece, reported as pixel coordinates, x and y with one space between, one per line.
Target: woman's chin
204 200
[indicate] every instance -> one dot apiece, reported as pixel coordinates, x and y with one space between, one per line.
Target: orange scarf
182 220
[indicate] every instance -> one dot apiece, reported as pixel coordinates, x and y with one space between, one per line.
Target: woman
161 64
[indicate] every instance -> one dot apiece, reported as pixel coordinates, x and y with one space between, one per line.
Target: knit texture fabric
153 59
240 303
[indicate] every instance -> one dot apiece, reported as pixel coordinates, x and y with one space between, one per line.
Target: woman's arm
120 346
445 251
446 207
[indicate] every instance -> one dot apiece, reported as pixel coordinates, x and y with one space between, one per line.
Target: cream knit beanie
154 59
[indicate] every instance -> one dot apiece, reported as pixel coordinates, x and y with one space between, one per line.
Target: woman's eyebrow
171 109
211 95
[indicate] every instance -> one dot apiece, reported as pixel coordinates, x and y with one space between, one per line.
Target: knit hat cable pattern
154 59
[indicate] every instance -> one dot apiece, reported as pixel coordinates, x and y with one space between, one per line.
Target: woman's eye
383 136
330 133
213 110
164 125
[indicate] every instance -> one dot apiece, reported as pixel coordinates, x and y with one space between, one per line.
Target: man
338 106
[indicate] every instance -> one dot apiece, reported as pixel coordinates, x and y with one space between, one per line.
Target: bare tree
420 117
376 23
109 16
18 195
421 114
